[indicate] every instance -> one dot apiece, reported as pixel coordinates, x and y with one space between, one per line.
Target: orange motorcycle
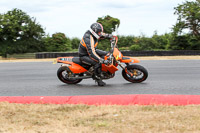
73 71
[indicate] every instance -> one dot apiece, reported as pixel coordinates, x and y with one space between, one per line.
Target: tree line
20 33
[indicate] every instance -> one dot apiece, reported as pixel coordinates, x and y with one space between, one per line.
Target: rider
89 54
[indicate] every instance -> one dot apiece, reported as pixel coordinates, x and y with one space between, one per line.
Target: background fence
125 53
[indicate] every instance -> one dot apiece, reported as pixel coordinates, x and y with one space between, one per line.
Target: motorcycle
73 71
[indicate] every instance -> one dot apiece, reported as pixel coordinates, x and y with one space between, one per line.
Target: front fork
124 68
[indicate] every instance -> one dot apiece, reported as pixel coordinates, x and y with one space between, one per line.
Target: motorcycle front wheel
139 73
62 74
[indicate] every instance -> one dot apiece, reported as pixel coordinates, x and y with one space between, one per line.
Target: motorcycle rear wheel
62 76
140 74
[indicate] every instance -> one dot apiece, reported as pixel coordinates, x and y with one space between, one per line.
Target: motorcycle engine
107 75
104 75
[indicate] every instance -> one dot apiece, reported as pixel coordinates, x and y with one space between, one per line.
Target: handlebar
115 39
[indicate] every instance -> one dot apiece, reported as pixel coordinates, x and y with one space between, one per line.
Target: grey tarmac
179 77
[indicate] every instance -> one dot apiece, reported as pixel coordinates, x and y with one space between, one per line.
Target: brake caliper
129 73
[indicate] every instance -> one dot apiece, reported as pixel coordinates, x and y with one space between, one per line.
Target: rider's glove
102 61
108 36
106 62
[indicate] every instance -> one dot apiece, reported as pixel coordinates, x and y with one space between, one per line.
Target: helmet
96 29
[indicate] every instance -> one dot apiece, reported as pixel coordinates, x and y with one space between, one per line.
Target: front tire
62 74
140 74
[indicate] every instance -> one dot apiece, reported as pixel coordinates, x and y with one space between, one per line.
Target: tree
143 43
125 41
185 42
57 43
75 43
19 33
109 23
180 43
188 18
161 42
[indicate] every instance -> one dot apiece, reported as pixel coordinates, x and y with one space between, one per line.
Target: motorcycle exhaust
81 77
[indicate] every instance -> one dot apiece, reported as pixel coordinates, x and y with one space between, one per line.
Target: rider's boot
100 82
97 75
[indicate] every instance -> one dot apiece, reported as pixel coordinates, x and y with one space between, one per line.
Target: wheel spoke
64 75
137 74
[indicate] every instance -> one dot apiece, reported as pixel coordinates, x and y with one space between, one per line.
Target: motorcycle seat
77 60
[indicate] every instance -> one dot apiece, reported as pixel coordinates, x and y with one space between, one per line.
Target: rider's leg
97 75
101 53
97 69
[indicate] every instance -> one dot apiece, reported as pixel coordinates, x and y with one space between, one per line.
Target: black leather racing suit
89 54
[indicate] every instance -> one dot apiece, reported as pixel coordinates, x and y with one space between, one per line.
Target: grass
39 118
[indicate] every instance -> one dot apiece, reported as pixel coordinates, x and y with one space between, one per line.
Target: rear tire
62 75
140 74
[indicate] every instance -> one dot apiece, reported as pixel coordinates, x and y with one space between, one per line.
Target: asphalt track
179 77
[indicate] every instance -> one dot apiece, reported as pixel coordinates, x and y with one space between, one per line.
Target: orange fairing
127 59
117 54
76 68
110 68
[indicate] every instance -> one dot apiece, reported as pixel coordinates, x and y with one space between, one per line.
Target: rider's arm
106 36
91 49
